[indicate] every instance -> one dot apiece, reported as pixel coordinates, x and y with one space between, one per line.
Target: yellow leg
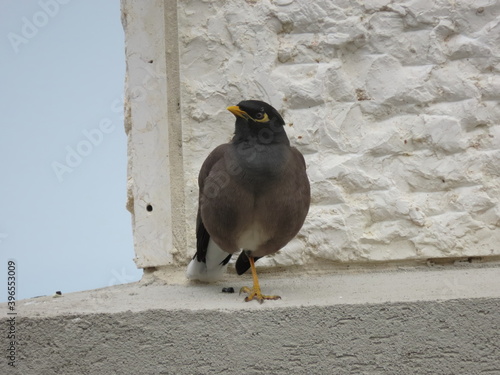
255 292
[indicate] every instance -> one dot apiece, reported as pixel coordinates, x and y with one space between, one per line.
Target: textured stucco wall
426 321
349 339
393 103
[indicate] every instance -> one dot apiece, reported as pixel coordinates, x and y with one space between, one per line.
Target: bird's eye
259 116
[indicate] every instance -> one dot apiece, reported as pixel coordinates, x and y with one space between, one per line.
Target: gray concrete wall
399 322
453 337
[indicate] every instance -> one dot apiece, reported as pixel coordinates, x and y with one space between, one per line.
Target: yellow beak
235 110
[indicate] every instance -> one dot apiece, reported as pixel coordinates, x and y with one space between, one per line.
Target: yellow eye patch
263 119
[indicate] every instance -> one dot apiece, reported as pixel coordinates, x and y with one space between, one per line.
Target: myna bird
254 195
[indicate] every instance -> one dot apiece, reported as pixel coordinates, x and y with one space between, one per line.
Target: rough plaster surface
393 103
444 321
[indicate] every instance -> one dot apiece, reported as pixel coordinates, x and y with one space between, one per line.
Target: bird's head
257 112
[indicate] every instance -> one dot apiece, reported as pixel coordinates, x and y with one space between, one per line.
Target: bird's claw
256 294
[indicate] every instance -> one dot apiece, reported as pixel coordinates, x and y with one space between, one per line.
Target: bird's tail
243 263
212 268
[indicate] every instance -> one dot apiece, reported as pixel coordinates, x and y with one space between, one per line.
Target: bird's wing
210 261
202 235
216 155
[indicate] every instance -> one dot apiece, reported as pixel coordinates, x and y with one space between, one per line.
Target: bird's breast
257 165
252 236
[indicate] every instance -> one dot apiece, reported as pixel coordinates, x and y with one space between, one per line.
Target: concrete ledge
412 321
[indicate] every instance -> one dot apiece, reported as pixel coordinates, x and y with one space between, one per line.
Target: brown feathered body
254 192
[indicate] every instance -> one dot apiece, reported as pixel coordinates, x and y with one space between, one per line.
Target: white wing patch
210 271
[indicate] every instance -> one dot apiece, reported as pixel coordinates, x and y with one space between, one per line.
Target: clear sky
63 149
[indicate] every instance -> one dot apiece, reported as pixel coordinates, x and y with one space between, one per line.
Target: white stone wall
393 103
146 123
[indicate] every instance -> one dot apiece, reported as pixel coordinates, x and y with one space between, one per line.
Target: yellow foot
256 294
